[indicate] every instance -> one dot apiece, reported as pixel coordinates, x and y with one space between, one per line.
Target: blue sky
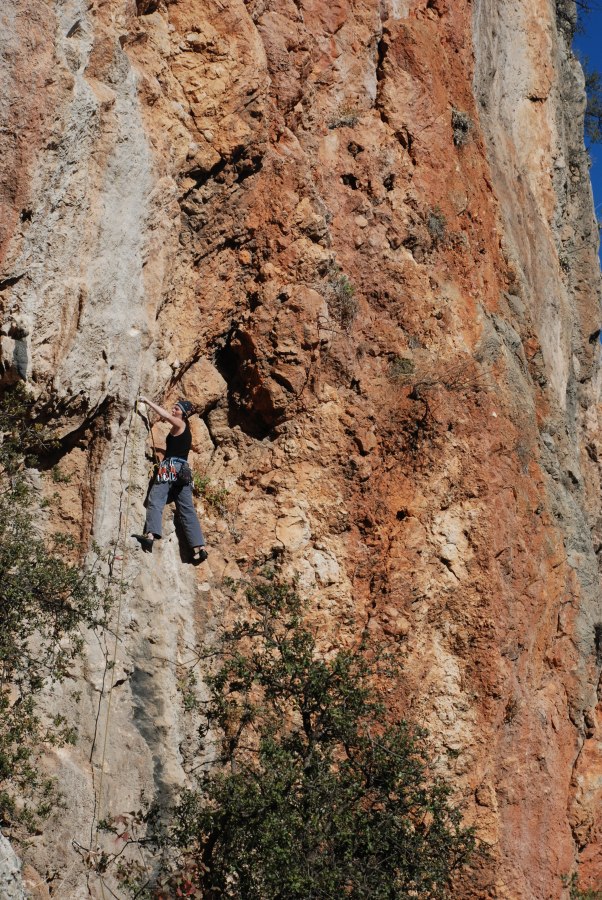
590 44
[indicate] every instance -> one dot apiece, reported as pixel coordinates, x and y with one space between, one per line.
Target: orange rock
267 211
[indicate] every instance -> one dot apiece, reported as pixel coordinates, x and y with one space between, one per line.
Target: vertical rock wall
529 91
360 237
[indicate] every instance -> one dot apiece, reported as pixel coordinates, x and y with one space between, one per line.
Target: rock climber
171 483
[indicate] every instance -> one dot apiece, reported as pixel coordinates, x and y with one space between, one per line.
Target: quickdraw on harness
168 473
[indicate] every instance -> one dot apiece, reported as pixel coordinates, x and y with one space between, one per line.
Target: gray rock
11 885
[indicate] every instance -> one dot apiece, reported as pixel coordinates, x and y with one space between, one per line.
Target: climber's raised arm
175 420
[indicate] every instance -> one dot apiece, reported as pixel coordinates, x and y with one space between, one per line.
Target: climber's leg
188 516
157 499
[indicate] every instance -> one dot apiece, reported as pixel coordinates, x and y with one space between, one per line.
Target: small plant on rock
341 299
346 117
401 367
60 477
415 428
462 126
215 496
576 893
436 224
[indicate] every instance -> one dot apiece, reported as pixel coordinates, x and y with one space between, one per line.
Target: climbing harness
168 472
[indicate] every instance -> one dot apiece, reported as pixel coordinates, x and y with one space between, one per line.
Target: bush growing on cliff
316 791
462 126
570 13
576 893
341 299
347 116
44 602
593 110
572 17
436 224
215 496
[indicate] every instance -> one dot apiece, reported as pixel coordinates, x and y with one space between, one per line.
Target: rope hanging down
121 594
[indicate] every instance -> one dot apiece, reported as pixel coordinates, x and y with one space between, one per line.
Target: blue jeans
181 494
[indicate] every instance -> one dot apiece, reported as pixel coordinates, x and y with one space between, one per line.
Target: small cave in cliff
250 402
146 7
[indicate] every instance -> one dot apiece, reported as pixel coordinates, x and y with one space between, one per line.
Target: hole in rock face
594 336
354 149
389 182
350 180
248 166
254 298
10 281
250 403
406 139
146 7
401 514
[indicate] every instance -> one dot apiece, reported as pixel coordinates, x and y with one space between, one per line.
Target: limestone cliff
359 236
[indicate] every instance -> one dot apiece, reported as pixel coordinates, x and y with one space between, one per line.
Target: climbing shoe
146 543
199 556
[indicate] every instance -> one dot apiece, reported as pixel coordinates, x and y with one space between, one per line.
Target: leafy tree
588 6
311 789
572 17
593 80
572 14
44 603
593 110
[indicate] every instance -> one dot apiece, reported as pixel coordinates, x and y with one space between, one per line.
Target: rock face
360 237
11 884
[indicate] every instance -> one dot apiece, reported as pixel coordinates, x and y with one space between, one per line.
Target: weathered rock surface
11 884
360 236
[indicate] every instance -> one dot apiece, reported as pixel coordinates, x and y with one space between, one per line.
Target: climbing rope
97 819
121 594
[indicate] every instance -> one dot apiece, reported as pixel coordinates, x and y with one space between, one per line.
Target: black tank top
179 444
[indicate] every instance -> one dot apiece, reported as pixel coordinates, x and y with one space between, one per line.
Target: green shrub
309 788
44 603
576 893
401 367
593 110
215 496
60 477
